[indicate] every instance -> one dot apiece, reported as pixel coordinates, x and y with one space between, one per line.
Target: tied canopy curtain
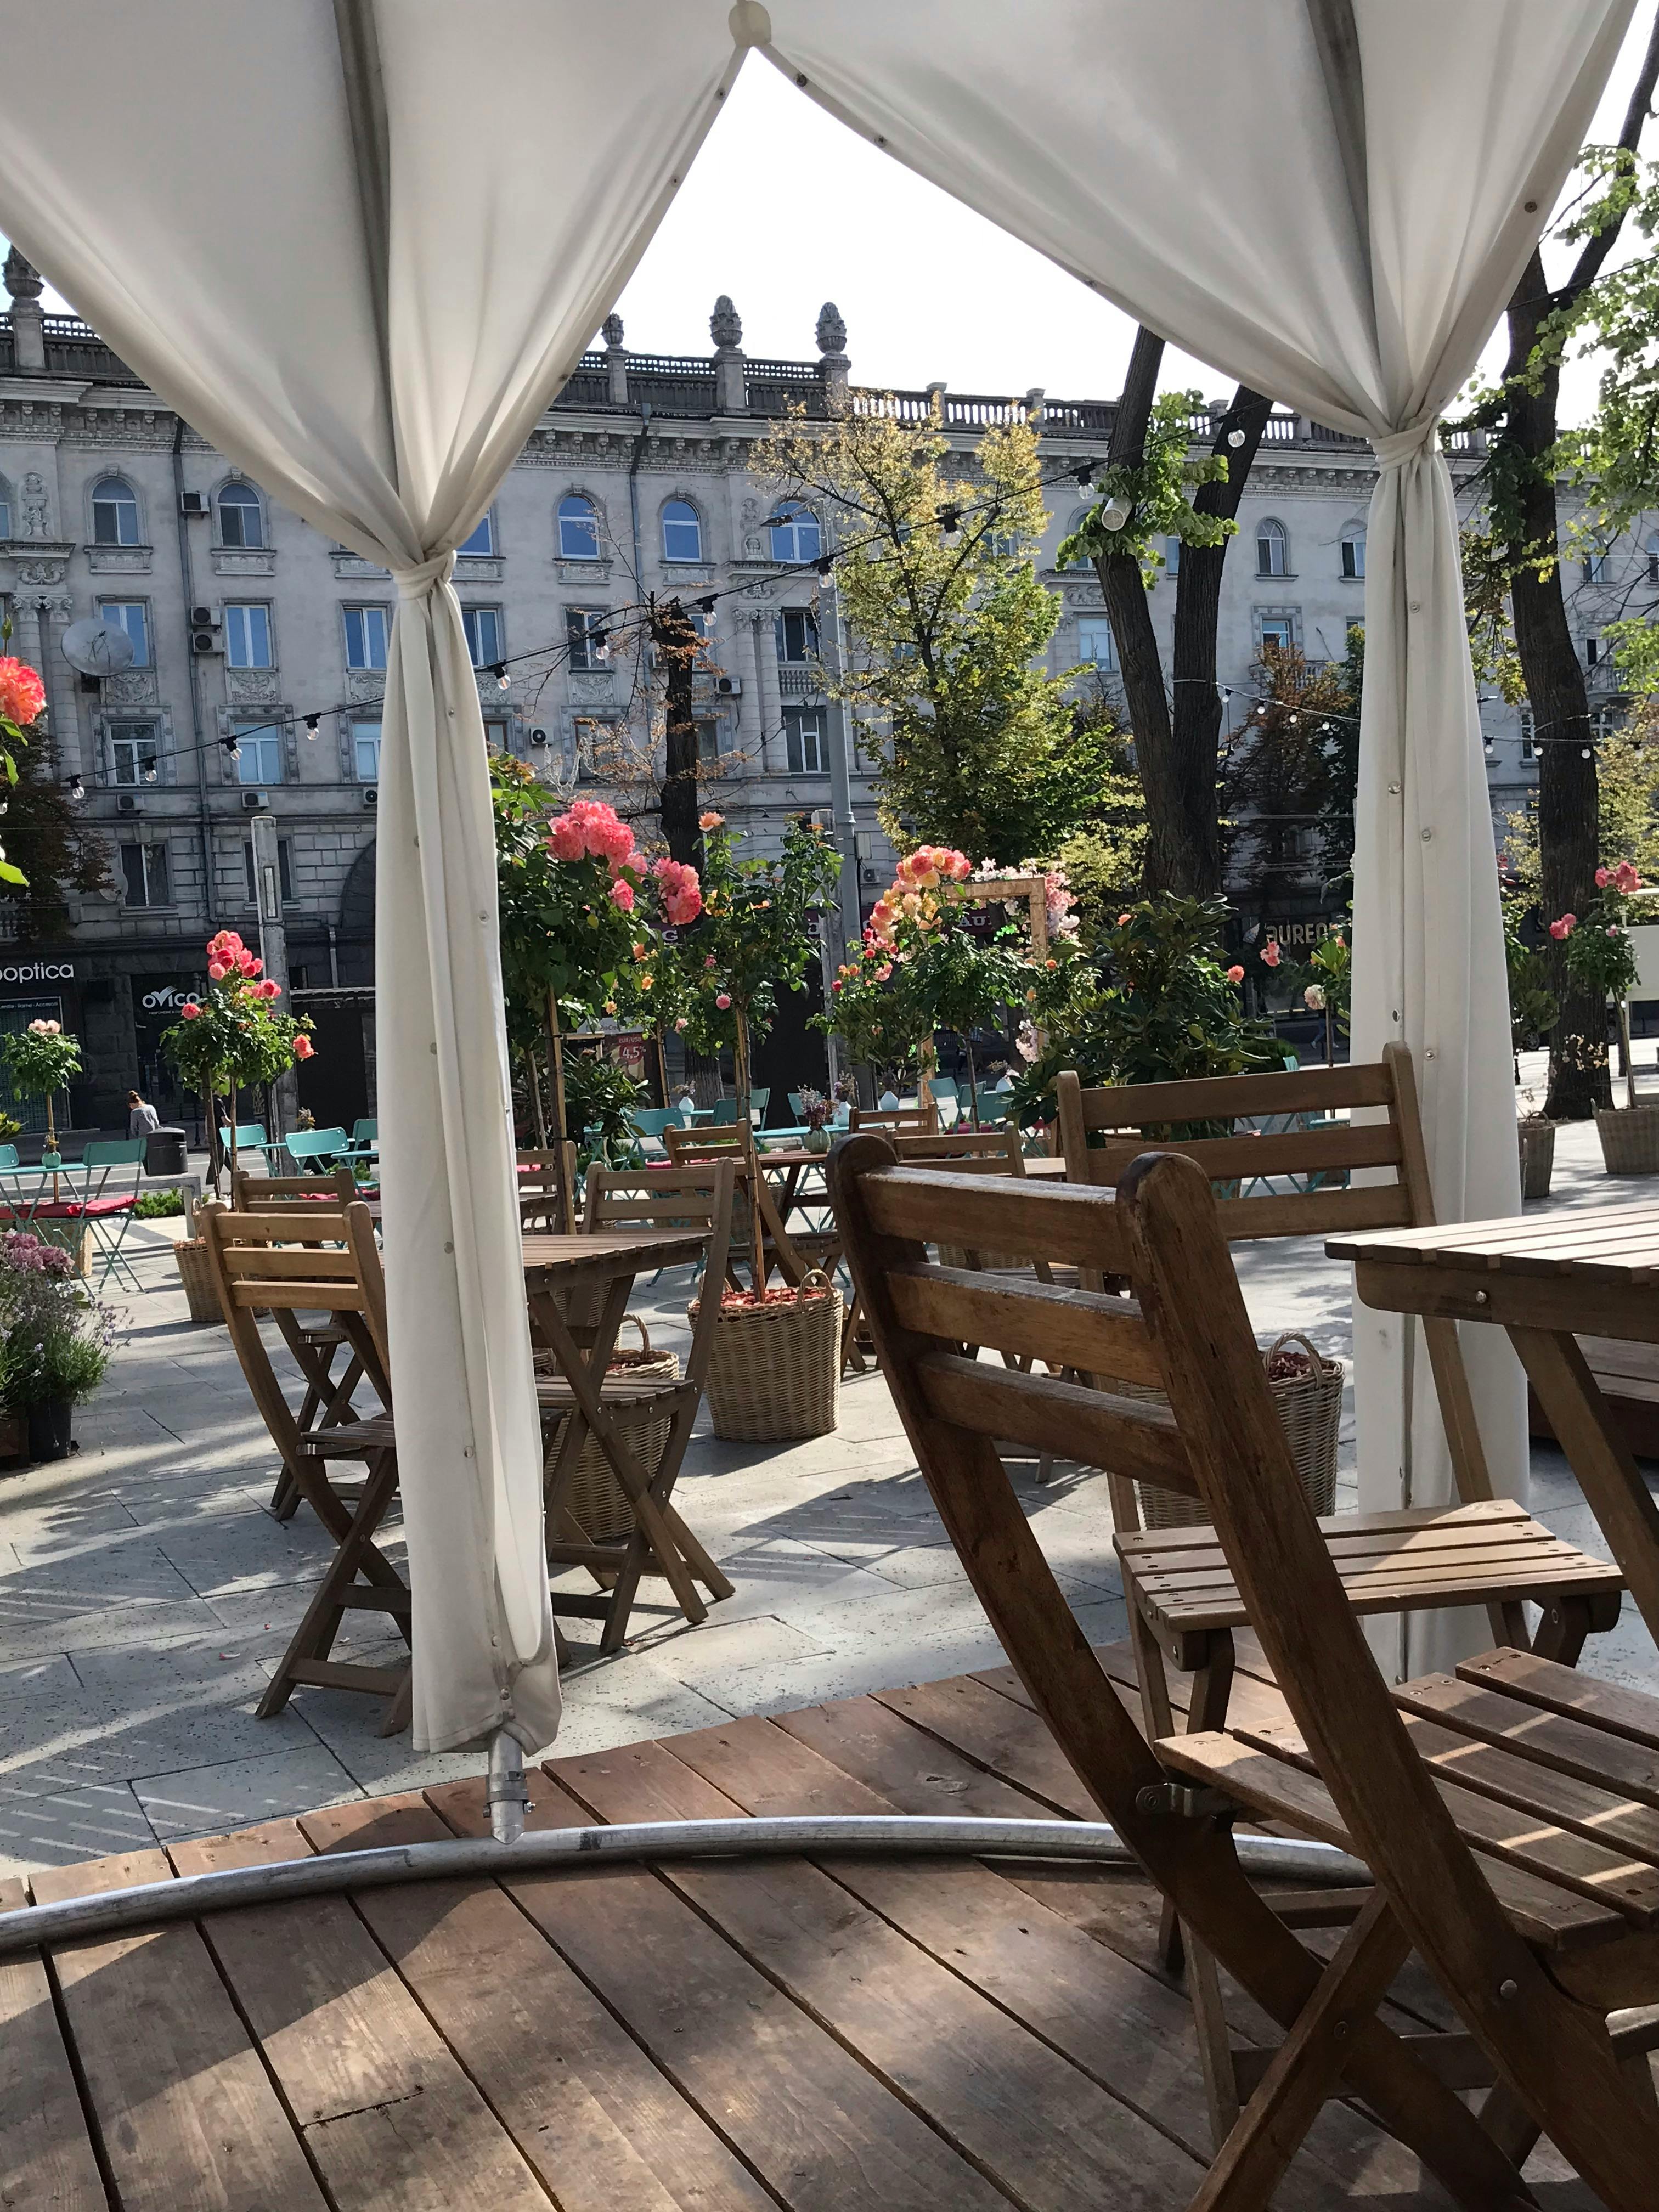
1331 200
359 248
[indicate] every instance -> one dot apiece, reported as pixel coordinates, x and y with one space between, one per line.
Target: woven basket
1310 1408
1537 1157
201 1293
774 1373
1630 1139
595 1496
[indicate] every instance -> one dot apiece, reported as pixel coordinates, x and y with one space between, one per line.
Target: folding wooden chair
898 1120
698 1198
257 1269
316 1344
959 1410
759 1233
1510 1816
1184 1608
542 1192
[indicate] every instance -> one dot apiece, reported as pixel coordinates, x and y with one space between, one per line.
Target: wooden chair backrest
252 1193
294 1260
963 1151
674 1198
1214 1434
917 1120
541 1206
721 1141
1134 1115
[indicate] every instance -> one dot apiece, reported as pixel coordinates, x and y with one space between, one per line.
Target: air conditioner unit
126 804
204 618
371 794
870 875
192 502
255 802
203 641
729 687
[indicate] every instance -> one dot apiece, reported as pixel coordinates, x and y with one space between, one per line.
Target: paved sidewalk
146 1592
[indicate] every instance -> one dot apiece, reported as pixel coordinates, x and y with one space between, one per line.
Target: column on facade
768 740
62 688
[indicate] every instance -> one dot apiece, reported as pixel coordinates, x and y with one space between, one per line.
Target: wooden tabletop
612 1252
1616 1242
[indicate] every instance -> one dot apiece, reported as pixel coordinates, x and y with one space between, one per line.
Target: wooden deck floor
838 2036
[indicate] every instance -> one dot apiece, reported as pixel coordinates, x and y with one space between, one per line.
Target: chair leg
1562 1631
314 1640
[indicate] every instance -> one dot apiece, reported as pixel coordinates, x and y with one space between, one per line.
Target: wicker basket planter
775 1372
200 1293
595 1495
1630 1139
1537 1157
1307 1394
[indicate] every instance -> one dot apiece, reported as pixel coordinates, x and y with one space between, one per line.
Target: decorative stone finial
725 324
610 329
831 330
23 279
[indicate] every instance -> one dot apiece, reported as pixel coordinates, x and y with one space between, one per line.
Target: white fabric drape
358 244
1331 200
359 248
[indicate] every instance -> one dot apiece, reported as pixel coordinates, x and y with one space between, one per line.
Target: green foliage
562 931
1599 952
158 1205
40 1060
947 623
756 935
600 1094
1627 806
1615 458
1294 767
233 1040
1534 1007
1156 495
1102 857
1167 1008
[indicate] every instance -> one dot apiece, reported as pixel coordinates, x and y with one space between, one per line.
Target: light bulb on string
77 790
150 771
1585 754
313 722
1235 438
1490 749
503 681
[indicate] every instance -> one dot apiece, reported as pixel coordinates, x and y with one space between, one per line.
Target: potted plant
815 1112
55 1339
40 1060
1600 955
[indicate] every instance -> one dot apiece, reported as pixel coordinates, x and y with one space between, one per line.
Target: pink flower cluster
45 1029
228 956
591 828
929 866
1560 931
22 695
1623 879
681 894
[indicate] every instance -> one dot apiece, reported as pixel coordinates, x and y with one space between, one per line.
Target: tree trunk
1568 823
672 634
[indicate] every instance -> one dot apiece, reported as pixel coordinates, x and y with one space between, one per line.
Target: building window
1353 550
481 544
483 626
578 529
796 631
586 637
498 733
5 510
241 518
803 745
247 636
795 535
1279 631
1172 557
1095 642
114 513
1592 651
708 742
1529 743
366 633
366 751
1272 549
1653 558
133 752
258 752
682 532
284 871
132 617
145 869
1595 565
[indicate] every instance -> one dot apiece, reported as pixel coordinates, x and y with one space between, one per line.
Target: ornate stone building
260 646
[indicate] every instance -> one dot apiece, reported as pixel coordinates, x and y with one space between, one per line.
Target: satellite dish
93 648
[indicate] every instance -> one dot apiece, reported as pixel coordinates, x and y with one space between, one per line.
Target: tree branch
1590 261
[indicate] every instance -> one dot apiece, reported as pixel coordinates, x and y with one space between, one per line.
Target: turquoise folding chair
759 1099
650 1122
944 1086
366 1131
107 1213
250 1138
315 1151
723 1115
8 1158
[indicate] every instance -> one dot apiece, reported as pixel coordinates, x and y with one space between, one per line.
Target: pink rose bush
235 1040
22 694
1599 954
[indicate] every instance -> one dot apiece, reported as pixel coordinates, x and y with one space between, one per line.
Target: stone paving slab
146 1592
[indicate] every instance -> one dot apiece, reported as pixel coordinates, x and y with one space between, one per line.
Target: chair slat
321 1224
1069 1226
1136 1437
1299 1152
1316 1214
1035 1320
277 1262
1226 1097
265 1294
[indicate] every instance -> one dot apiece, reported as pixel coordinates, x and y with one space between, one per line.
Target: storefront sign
1314 930
168 998
39 971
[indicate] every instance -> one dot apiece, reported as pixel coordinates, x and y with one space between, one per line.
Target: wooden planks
47 2155
1627 1376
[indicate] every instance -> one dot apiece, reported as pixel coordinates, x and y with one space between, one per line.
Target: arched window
682 532
114 513
241 518
579 528
795 534
1272 549
482 542
1352 550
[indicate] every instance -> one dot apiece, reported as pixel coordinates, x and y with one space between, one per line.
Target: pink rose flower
1123 920
216 971
1235 973
22 695
1603 877
622 895
269 989
303 1047
189 1011
1271 955
711 820
1563 928
723 999
565 839
679 1025
708 960
1626 878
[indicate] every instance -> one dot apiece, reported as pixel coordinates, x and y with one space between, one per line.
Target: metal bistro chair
325 1146
106 1213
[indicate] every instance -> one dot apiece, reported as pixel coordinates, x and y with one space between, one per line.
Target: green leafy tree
947 622
1290 781
40 1060
1103 859
233 1040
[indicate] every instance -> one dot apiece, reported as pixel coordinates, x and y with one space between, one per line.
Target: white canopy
359 244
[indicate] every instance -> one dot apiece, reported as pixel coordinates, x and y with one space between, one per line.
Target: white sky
785 208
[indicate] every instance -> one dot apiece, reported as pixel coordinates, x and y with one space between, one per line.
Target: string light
706 606
150 771
313 722
949 521
504 682
77 790
232 747
1235 438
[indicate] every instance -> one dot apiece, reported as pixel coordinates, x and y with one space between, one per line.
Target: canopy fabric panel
291 221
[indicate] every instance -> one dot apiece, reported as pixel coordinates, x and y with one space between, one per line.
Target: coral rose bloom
723 999
711 820
22 695
622 895
303 1047
1626 878
1235 973
216 971
189 1011
1271 955
1562 929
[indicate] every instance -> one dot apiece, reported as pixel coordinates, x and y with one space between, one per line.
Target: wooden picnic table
1547 1280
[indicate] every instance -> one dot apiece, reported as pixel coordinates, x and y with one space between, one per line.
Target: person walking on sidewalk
143 1120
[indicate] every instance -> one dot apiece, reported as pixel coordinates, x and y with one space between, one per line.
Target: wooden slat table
1548 1280
845 2035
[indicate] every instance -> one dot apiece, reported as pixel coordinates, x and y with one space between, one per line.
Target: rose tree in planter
55 1339
1601 956
40 1060
235 1040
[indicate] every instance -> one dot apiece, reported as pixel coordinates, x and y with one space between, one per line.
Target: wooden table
856 2035
1548 1280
